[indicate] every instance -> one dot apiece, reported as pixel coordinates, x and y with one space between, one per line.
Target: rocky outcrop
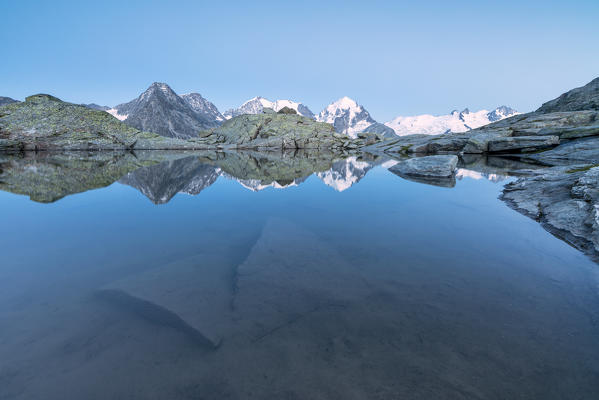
582 98
565 200
521 144
572 116
44 122
284 131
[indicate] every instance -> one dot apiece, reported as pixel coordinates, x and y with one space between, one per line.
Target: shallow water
211 277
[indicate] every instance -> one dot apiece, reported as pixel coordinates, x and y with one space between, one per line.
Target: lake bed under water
193 278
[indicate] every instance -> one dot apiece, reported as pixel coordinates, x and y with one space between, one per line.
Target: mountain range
455 121
160 110
350 118
258 104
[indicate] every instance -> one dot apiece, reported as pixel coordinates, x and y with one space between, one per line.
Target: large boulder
436 170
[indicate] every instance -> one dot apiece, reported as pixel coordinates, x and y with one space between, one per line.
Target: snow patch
114 112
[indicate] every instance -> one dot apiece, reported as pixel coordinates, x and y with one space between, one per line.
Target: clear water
387 289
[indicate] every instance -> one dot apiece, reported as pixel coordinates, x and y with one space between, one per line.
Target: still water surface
351 283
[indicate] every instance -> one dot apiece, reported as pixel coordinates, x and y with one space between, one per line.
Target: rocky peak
200 105
500 113
160 110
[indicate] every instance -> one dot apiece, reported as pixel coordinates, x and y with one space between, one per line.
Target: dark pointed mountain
203 106
160 110
6 100
579 99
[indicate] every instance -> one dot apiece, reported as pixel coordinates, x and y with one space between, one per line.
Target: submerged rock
280 282
214 299
192 295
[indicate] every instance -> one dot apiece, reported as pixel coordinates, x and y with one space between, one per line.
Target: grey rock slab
573 132
436 166
579 151
521 143
438 170
478 141
448 143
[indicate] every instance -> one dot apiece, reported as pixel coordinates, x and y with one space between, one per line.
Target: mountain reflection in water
48 177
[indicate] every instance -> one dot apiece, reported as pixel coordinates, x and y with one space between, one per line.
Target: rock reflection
48 177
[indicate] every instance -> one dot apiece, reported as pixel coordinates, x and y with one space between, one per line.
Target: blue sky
395 58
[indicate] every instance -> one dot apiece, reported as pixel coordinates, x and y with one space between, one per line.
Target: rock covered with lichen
44 122
286 131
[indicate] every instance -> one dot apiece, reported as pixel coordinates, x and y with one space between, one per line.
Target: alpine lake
239 275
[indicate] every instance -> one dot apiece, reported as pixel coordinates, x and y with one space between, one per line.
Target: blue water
388 289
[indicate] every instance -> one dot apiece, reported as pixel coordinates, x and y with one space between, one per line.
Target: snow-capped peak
347 116
257 104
